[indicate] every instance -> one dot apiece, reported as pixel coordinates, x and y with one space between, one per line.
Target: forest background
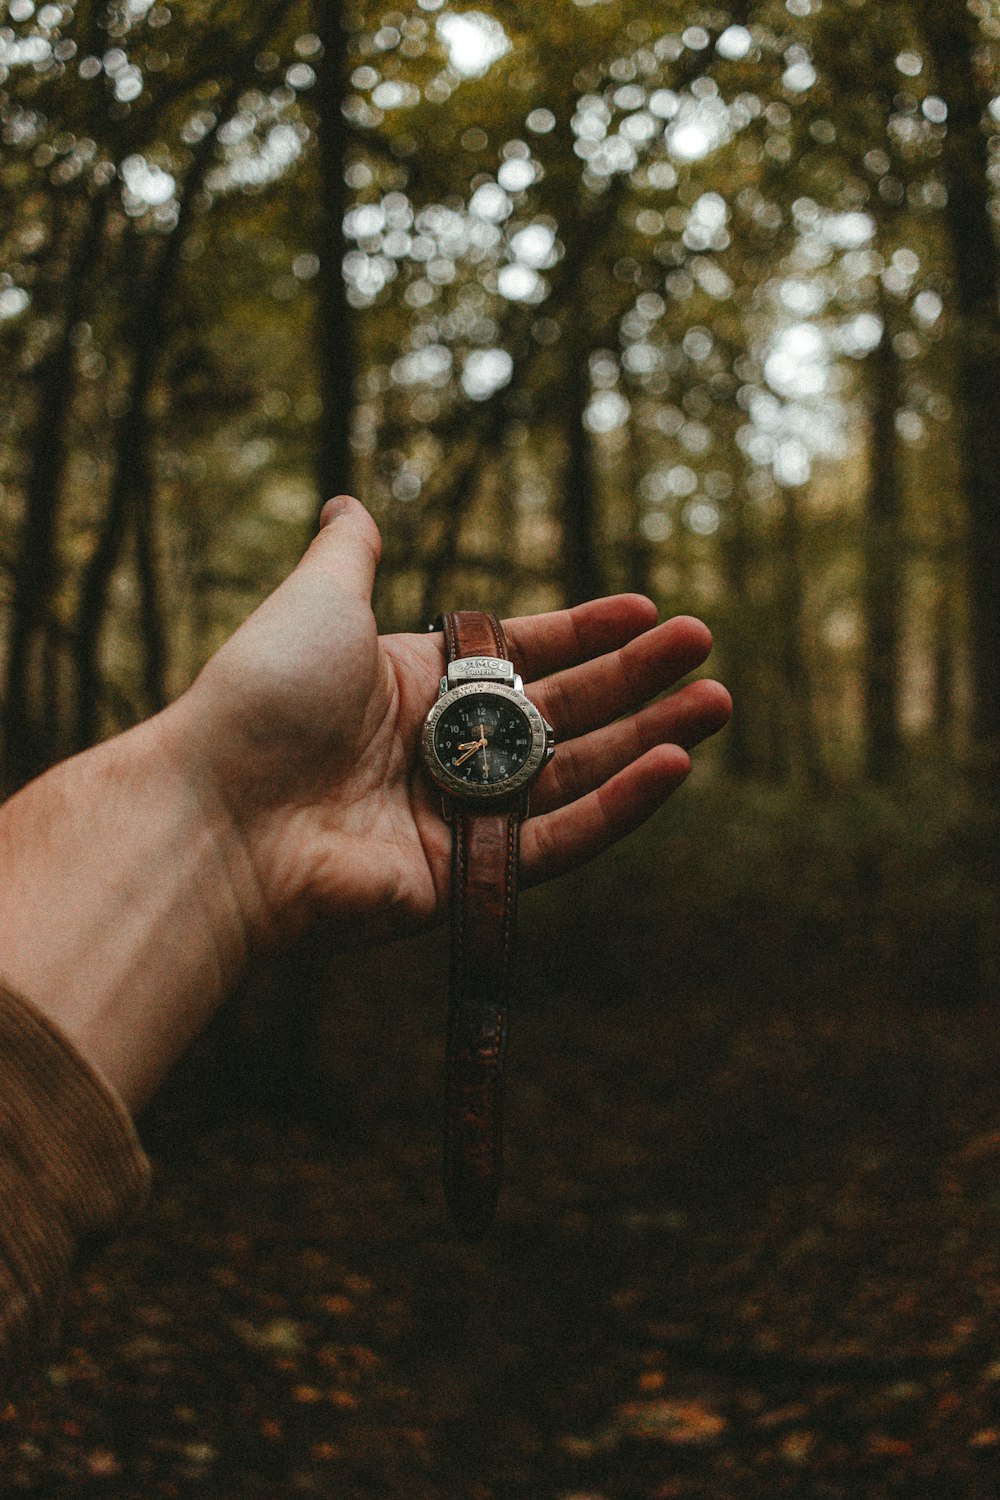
702 301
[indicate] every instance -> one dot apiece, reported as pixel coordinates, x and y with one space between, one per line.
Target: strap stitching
498 636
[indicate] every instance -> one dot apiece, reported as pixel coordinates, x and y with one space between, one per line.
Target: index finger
541 644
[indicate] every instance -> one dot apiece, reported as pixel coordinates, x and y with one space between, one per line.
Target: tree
953 40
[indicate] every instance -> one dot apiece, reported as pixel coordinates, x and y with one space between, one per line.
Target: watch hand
479 744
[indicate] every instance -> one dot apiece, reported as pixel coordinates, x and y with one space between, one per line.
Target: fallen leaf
881 1446
797 1446
102 1463
307 1394
671 1421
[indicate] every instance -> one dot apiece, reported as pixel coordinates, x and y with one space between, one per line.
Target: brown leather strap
484 899
483 910
473 632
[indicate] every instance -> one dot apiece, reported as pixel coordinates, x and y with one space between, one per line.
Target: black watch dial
482 739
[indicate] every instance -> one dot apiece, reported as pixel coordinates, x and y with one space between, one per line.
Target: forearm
71 1167
123 905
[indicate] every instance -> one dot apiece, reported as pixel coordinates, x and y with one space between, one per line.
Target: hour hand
470 749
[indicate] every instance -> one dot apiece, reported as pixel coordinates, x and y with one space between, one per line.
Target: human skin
284 788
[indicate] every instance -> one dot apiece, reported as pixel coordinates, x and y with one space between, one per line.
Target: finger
599 691
558 841
347 546
546 643
685 718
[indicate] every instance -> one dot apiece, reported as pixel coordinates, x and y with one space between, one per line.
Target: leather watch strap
473 632
483 908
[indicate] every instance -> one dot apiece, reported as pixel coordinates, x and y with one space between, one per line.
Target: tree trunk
154 636
638 553
801 721
335 333
29 746
581 569
952 37
944 661
883 569
132 500
131 503
453 512
737 565
132 474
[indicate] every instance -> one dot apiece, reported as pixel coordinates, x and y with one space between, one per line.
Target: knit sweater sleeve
71 1169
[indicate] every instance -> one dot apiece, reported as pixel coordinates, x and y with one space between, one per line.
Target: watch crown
550 741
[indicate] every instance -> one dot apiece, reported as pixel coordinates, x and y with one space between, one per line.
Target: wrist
127 908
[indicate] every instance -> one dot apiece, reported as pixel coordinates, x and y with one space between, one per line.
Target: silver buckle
480 668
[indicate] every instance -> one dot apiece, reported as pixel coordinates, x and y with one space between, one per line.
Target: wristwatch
484 743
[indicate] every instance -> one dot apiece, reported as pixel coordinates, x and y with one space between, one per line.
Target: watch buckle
479 669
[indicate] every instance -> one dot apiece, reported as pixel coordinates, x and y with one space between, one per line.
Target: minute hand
470 751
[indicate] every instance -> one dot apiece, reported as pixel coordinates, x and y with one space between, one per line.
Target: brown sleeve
71 1168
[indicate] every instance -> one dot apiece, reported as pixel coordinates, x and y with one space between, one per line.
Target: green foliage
633 296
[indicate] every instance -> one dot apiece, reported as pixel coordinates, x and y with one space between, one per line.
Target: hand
302 734
284 786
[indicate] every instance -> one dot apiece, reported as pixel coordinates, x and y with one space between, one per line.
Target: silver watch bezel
489 792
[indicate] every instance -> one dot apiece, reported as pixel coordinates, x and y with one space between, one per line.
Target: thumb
347 547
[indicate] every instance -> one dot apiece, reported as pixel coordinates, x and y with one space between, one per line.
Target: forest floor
748 1246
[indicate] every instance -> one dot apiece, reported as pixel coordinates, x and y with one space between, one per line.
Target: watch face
483 739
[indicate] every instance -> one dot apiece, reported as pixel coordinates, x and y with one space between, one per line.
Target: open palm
307 725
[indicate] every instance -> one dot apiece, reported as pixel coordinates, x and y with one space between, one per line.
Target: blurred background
696 300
